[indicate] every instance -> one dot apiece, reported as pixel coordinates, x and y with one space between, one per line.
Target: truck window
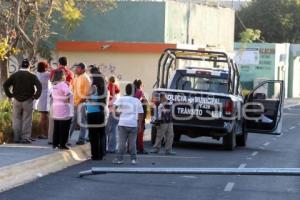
196 83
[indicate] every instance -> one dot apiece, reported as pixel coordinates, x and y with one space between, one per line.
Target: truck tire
153 134
177 137
241 139
229 141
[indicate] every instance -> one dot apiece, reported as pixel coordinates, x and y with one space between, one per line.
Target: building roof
102 46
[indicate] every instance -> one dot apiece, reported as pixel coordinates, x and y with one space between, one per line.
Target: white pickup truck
204 90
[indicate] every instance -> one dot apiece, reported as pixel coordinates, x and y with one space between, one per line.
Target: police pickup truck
204 90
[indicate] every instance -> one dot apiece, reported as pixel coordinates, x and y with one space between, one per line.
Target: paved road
261 151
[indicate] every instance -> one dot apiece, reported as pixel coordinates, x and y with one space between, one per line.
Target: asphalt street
261 151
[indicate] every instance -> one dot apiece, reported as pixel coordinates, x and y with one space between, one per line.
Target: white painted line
279 135
191 177
229 187
254 153
249 158
243 165
267 143
293 127
171 157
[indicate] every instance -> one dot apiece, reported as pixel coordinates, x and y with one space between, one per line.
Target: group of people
65 100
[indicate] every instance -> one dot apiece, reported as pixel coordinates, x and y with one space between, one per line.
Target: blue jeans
111 132
75 120
127 134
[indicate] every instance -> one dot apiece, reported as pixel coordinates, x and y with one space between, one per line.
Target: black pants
96 134
61 132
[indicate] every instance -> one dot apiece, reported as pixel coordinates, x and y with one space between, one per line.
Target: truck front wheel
241 140
177 137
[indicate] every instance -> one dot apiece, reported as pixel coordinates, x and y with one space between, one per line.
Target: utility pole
188 23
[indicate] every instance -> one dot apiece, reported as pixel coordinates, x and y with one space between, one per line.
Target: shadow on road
198 145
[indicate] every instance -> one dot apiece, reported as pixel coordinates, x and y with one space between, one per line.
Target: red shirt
68 74
113 90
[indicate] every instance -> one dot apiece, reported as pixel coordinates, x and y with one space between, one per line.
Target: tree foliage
25 25
250 35
278 20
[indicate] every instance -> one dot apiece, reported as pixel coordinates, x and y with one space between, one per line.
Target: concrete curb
291 105
18 174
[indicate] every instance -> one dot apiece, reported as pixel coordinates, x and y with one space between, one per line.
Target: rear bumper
211 129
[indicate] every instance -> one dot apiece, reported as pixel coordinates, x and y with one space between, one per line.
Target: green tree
25 25
278 20
250 35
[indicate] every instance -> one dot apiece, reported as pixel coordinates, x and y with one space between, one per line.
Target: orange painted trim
125 47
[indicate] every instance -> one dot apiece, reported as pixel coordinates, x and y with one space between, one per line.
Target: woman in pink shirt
62 98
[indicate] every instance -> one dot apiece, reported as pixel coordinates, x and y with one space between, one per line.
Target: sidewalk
22 163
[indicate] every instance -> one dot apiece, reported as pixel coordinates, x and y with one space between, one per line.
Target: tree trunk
3 75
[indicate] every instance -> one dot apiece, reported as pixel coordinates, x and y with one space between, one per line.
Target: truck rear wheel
229 141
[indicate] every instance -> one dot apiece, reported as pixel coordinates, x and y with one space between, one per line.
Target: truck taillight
228 107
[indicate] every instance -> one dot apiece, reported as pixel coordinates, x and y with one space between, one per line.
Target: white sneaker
133 162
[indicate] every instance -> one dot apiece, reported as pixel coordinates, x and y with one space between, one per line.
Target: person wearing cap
81 88
23 87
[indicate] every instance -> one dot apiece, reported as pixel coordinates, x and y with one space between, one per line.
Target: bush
36 124
6 131
6 121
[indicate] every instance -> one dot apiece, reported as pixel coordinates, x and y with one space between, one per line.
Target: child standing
139 94
164 127
112 121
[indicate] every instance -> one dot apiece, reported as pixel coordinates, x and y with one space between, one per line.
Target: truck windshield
198 83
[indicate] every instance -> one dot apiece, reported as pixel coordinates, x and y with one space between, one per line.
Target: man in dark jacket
23 87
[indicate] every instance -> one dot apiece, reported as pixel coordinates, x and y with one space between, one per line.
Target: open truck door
263 110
